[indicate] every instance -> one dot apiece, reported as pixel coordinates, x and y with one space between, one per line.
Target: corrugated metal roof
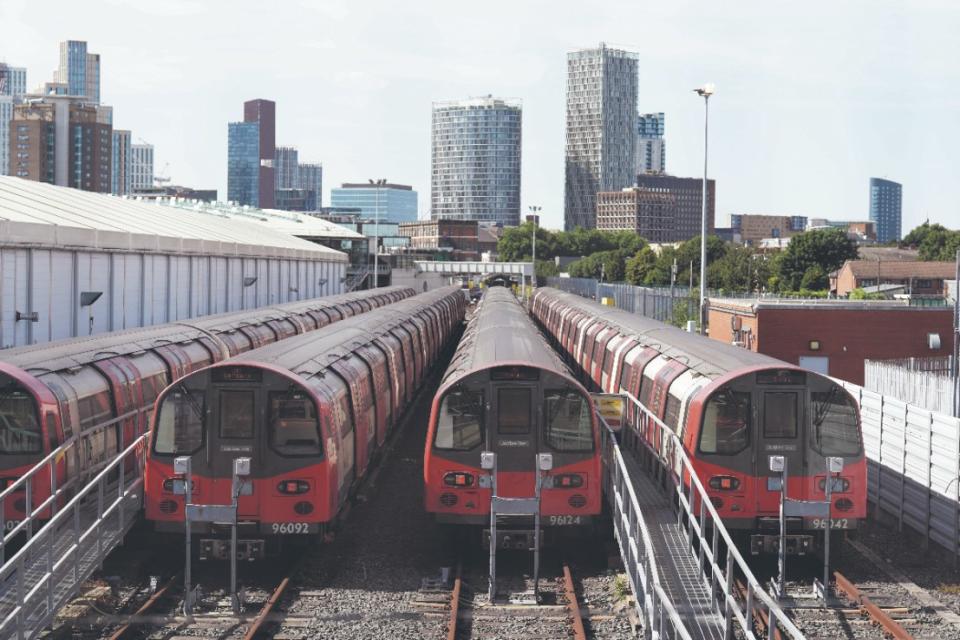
900 269
289 222
40 214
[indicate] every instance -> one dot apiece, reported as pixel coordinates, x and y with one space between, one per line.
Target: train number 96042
835 523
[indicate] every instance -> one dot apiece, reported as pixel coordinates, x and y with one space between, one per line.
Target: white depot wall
140 289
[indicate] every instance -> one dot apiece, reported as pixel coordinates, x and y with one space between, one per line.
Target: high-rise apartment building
601 126
287 168
650 214
475 160
387 202
688 194
886 197
13 86
79 70
141 167
58 139
251 153
122 162
311 179
651 153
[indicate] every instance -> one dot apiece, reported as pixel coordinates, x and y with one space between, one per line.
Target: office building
886 199
650 214
688 193
295 200
58 139
601 137
79 70
287 167
651 153
311 179
453 239
475 160
393 202
251 153
752 228
141 167
13 86
122 162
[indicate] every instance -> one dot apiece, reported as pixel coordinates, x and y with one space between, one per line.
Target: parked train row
311 413
101 389
508 393
731 408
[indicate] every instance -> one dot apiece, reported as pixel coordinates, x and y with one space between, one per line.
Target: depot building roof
40 214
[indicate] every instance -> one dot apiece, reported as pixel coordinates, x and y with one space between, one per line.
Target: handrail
34 605
654 599
681 468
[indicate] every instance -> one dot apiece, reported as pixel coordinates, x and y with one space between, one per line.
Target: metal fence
659 303
913 465
923 382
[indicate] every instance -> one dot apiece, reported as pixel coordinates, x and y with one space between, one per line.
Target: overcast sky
813 98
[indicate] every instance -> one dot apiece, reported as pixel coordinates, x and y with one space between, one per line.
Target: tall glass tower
243 163
885 201
13 85
79 70
475 162
601 136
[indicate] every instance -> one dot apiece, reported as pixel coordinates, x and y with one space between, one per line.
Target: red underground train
730 407
101 389
311 413
507 392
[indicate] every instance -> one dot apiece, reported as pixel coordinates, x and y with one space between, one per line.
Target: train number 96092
290 527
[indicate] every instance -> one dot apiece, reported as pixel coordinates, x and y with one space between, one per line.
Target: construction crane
163 177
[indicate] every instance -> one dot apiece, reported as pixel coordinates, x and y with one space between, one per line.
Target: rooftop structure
920 278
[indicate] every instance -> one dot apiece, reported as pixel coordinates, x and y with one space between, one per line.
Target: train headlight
724 483
840 485
565 481
844 504
293 487
458 479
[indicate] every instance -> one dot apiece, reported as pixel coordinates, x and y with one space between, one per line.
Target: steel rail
145 607
579 633
267 608
877 614
455 605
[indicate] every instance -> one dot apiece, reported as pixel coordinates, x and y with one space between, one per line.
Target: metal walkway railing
676 597
48 570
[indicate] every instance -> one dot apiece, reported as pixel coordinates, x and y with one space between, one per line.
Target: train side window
460 424
236 414
294 428
726 423
19 427
180 422
672 415
625 376
513 411
836 429
568 426
93 397
780 414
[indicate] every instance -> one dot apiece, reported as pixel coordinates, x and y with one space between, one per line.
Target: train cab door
780 406
236 411
513 431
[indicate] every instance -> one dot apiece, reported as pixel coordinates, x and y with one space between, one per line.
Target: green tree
815 279
639 266
827 249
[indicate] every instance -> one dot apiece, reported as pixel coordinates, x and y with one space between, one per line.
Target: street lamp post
376 233
705 92
533 216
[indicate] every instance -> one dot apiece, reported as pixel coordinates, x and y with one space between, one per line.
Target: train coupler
217 549
797 544
518 540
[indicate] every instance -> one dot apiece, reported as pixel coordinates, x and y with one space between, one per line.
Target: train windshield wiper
191 400
820 413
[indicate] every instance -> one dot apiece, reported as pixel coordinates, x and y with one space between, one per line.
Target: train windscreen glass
780 414
460 423
19 428
835 431
294 429
568 425
513 411
180 422
236 414
726 423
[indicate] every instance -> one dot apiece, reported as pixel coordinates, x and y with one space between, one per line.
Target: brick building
752 228
457 238
831 336
918 278
651 214
689 202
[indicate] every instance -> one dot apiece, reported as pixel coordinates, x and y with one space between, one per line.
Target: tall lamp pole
705 92
376 233
534 211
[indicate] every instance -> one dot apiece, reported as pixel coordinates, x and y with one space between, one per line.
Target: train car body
312 413
100 390
507 392
731 408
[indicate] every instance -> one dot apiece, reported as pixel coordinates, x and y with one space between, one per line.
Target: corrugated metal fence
924 382
653 302
913 462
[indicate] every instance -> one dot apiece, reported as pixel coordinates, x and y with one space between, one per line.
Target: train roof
500 332
73 352
706 356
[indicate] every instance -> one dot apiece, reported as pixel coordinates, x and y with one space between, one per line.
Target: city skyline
786 116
